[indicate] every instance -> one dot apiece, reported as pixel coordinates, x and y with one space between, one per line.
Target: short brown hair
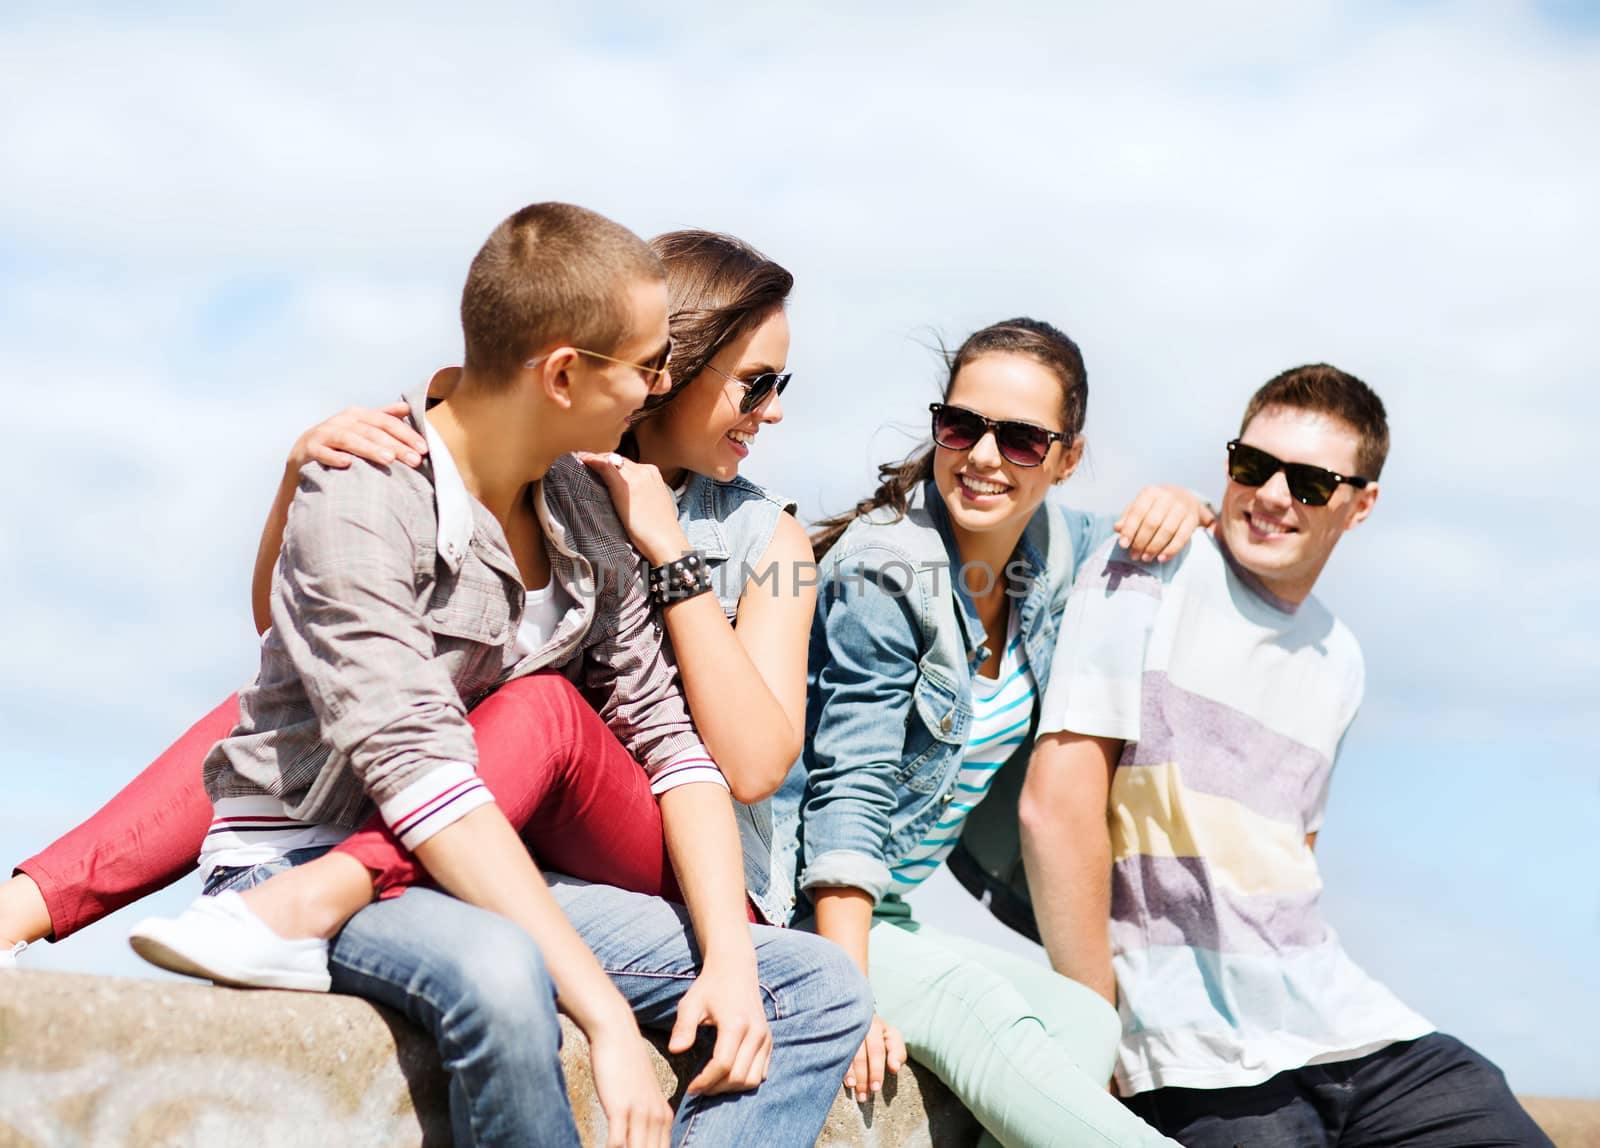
1326 390
551 273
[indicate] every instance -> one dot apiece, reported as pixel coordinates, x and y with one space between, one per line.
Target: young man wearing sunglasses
1203 703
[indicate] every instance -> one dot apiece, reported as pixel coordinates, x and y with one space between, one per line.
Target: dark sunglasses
757 389
1309 485
1021 444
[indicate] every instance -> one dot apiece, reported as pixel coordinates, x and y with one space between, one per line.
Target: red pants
582 803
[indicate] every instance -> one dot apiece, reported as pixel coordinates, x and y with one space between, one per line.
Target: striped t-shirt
1231 704
1002 708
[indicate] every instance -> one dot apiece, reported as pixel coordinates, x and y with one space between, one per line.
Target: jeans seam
777 1005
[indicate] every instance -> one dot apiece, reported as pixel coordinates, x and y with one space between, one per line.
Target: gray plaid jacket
379 644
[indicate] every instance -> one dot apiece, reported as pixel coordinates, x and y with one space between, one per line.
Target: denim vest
894 646
732 524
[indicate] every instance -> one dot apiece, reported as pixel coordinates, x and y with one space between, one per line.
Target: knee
826 980
546 692
500 992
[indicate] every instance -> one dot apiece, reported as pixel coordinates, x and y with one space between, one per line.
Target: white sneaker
8 957
220 939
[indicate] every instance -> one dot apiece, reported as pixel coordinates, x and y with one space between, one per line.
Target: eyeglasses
1309 485
1022 444
757 389
656 367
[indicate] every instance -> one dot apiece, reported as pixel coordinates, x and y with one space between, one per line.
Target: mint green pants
1026 1049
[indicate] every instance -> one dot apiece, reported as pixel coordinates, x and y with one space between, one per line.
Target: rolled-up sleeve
349 608
864 696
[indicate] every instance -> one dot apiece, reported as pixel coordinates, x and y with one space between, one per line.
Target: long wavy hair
1045 344
718 288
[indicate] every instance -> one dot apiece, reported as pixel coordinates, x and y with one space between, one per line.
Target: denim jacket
732 524
894 647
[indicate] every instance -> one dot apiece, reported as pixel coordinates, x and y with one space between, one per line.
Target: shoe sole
163 955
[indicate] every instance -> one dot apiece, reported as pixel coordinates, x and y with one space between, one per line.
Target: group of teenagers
556 710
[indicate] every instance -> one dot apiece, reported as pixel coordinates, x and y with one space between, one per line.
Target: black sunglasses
1021 444
1309 485
757 389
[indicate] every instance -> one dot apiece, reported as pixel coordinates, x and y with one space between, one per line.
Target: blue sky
220 226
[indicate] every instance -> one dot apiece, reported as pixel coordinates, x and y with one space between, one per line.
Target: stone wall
99 1062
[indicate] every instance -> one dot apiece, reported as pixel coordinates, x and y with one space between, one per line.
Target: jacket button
944 724
948 798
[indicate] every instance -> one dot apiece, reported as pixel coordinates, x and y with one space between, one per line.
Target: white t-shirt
1232 704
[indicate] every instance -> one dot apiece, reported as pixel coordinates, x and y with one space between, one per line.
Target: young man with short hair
400 598
1203 702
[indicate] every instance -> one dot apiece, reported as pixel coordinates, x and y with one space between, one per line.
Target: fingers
857 1071
874 1080
1162 537
716 1071
1139 537
1132 520
377 446
883 1048
378 436
327 456
764 1065
407 442
894 1047
690 1017
648 1125
749 1060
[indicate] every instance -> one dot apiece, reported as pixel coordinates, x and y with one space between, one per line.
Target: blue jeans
1429 1093
477 985
818 1007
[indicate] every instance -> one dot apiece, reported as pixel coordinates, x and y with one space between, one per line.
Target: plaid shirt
395 606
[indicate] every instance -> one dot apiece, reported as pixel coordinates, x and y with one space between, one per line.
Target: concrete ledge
99 1061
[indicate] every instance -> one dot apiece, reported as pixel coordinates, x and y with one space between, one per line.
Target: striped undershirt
1002 707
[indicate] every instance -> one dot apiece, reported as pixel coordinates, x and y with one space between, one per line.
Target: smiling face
603 396
984 492
1279 540
702 429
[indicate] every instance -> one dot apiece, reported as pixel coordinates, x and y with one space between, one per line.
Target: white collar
450 495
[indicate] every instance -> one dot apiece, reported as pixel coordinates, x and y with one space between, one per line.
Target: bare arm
703 843
1066 848
746 685
377 436
483 861
844 916
24 916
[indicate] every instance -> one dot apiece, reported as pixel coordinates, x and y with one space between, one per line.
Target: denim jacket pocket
935 728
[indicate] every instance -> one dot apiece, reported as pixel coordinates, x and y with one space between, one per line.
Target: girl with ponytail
938 604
